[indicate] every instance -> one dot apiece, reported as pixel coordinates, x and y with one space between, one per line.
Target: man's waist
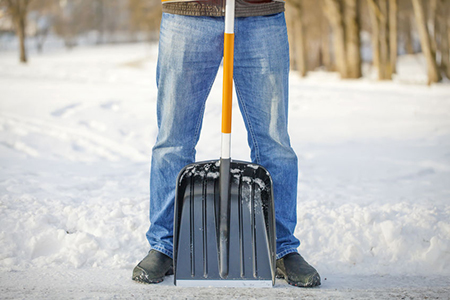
216 8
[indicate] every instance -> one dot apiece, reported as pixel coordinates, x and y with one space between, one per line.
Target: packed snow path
76 131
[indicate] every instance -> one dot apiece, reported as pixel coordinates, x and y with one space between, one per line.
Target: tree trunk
432 28
393 34
334 15
433 72
448 37
447 63
325 47
290 29
385 71
352 40
21 25
380 38
18 10
299 39
444 23
409 47
375 38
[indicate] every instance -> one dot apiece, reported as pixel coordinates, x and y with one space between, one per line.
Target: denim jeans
190 53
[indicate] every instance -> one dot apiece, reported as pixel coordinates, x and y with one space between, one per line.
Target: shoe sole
142 278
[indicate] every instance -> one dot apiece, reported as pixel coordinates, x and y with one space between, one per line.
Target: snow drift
76 131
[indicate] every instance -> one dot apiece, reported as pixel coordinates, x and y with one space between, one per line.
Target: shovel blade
251 244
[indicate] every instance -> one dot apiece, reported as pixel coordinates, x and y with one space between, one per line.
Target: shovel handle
228 60
227 99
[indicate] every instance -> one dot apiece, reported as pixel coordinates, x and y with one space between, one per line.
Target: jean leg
261 79
188 61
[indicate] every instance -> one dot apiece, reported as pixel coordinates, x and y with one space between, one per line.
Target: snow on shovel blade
251 227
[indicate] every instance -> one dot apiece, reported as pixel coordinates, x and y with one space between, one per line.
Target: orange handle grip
227 97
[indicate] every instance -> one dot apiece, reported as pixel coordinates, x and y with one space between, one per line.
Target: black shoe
153 268
296 271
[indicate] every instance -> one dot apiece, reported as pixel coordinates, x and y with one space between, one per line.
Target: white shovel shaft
229 16
228 59
226 146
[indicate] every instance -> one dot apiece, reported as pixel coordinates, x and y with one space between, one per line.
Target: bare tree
444 22
375 35
325 49
290 26
379 15
393 29
297 37
409 46
18 10
385 69
432 23
313 21
343 16
145 16
333 11
405 26
352 40
430 55
71 21
440 36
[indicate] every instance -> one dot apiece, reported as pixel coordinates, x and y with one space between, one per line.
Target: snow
76 132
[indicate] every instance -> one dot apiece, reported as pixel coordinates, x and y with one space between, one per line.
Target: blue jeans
190 53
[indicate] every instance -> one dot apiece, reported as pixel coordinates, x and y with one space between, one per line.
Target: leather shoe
296 271
153 268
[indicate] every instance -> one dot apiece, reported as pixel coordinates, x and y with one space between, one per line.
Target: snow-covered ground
76 132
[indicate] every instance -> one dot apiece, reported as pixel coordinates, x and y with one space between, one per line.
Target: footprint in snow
66 110
111 105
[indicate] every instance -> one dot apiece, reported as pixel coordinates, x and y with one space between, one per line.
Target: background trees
74 21
347 32
334 35
18 11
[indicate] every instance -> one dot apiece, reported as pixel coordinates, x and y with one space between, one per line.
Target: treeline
105 21
333 34
336 35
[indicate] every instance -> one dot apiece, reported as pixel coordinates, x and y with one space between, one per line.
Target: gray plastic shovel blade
250 248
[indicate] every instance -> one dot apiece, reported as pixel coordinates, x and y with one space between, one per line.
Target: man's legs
189 55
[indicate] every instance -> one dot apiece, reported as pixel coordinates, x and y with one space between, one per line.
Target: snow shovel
224 225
